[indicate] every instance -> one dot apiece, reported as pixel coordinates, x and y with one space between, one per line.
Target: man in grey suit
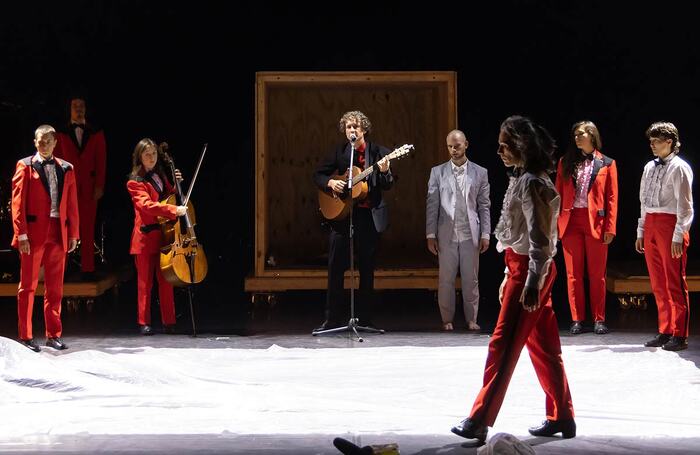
458 227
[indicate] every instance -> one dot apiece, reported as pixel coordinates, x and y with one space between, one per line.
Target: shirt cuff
678 237
23 237
486 236
429 236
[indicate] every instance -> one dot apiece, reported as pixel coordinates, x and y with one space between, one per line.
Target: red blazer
90 160
31 201
146 236
602 197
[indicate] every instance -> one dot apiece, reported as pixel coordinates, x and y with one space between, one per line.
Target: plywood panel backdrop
297 124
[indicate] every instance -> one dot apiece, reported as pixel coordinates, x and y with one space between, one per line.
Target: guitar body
336 206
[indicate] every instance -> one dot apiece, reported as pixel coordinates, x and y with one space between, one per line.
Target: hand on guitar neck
337 186
334 204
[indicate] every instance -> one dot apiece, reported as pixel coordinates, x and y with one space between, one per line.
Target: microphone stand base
351 327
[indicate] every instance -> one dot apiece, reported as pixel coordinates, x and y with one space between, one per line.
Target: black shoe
659 340
469 429
567 428
56 343
145 330
675 344
31 344
600 328
170 329
576 328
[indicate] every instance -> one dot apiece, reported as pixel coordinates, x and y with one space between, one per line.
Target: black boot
600 328
675 344
576 328
31 344
469 429
567 428
56 343
659 340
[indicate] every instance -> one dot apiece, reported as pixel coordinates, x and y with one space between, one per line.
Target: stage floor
292 394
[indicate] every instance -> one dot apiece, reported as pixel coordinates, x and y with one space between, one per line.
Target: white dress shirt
462 231
79 130
666 187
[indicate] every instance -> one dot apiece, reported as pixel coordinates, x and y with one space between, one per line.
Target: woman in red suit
587 182
148 185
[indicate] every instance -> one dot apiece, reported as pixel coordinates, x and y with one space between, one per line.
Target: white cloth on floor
505 444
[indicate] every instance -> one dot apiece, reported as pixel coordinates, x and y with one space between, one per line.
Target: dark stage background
185 75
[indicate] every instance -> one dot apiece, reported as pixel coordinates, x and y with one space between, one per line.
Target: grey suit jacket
440 203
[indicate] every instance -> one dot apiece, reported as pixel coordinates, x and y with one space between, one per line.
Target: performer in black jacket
370 217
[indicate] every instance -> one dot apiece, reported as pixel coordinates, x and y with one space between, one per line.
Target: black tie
659 161
77 125
49 161
589 156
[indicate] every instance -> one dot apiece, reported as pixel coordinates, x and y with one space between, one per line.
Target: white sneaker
473 326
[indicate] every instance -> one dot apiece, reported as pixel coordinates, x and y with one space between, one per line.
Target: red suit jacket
146 236
90 160
602 197
31 202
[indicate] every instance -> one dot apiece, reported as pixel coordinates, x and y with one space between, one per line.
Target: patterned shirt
583 173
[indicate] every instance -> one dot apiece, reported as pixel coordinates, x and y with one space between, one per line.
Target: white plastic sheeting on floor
619 390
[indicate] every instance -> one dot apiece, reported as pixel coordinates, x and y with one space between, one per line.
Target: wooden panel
631 277
70 289
77 288
642 285
297 125
315 279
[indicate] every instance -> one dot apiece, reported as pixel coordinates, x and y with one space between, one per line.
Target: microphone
353 138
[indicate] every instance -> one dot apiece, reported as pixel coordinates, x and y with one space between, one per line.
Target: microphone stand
353 322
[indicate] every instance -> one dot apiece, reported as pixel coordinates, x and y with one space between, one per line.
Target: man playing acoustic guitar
370 217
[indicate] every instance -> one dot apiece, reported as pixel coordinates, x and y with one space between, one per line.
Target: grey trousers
462 256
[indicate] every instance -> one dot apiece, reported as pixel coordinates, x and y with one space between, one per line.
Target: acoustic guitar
336 206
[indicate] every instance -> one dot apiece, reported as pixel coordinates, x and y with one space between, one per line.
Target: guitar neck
361 176
395 154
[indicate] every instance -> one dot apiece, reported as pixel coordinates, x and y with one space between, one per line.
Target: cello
182 258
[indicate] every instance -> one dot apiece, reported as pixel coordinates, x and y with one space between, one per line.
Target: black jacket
338 161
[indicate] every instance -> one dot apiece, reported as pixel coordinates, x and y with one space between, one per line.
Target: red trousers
87 206
146 266
582 251
515 328
667 275
51 255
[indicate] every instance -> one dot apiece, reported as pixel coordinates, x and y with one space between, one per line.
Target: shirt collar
40 159
456 168
662 162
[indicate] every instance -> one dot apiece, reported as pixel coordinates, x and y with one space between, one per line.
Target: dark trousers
365 236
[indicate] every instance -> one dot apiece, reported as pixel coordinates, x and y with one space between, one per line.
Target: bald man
458 227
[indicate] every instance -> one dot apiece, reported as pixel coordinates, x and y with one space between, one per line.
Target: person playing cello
147 186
